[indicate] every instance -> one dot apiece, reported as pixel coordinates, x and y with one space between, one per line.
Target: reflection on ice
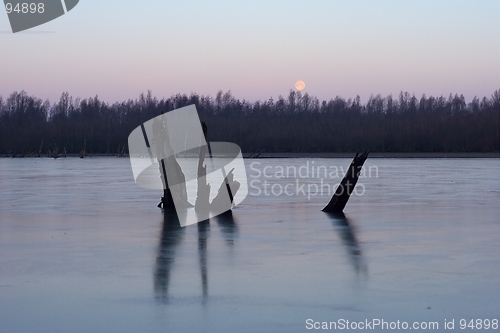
228 226
347 233
171 237
203 234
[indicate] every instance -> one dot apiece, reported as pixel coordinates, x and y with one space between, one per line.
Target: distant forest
296 123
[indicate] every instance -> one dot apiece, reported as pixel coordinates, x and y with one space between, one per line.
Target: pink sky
257 49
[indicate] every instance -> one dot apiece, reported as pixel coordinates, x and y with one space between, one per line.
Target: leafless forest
295 123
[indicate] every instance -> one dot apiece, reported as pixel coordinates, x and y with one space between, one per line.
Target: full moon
300 85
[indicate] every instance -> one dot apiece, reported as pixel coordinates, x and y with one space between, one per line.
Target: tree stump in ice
346 186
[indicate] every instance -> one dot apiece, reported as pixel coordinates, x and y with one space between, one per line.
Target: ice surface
83 249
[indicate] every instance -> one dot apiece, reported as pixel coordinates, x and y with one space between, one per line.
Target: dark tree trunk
346 186
167 202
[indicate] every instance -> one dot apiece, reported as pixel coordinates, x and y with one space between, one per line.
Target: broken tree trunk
166 201
228 188
346 186
169 167
203 195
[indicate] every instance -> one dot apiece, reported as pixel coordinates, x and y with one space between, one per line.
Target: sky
258 49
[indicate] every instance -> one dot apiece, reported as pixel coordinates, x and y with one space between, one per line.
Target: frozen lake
84 249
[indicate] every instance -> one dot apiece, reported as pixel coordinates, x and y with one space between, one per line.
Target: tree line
296 123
